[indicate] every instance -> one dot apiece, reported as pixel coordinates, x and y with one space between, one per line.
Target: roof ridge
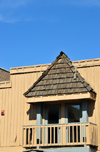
4 69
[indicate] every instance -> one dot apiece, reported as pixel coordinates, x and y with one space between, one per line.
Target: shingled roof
59 79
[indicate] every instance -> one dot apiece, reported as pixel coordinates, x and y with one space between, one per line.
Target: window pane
73 113
53 115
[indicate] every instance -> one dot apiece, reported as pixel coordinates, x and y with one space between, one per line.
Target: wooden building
51 107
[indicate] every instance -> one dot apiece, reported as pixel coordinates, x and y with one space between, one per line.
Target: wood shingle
60 78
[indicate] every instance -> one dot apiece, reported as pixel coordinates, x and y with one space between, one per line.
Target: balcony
60 135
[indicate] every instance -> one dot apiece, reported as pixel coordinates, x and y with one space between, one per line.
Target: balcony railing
60 135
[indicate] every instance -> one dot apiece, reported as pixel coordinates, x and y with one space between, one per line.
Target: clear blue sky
35 31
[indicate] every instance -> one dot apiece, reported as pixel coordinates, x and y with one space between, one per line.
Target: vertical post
84 111
59 114
63 121
39 113
66 121
66 113
84 117
46 122
39 120
80 113
46 115
62 112
60 123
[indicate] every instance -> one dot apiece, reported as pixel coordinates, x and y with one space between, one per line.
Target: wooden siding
18 112
92 76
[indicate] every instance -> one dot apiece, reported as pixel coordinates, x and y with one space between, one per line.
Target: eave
88 95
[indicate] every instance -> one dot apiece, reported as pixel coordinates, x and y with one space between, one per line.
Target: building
51 107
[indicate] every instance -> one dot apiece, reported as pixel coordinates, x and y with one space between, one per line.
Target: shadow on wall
91 107
32 112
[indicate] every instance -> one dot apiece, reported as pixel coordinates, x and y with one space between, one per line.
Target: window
73 113
53 114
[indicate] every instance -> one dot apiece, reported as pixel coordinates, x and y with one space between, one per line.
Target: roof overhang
88 95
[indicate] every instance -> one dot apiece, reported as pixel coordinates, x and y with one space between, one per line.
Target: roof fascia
88 95
5 84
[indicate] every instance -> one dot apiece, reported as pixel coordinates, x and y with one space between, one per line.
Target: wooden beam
60 97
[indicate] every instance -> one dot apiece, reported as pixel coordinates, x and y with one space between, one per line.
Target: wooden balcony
60 135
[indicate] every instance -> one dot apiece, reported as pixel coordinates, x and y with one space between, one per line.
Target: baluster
47 135
73 134
77 134
29 136
54 135
32 136
39 136
81 134
69 133
58 134
50 136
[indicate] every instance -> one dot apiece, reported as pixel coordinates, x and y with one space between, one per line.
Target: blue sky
35 31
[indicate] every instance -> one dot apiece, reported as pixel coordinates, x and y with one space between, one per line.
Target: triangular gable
61 78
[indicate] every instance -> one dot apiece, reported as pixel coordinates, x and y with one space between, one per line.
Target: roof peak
61 54
60 78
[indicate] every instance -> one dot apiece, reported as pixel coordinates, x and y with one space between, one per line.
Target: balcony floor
81 149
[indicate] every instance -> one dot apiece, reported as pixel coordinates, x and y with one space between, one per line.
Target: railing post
96 135
29 136
88 133
25 137
43 135
64 135
35 135
22 136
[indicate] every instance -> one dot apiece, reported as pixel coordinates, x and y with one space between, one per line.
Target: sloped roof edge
44 73
86 85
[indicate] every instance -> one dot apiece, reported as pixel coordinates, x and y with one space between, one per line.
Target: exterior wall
18 112
4 75
92 75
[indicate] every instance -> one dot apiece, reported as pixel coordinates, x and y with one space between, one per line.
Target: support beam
84 115
85 111
39 113
62 112
39 120
66 113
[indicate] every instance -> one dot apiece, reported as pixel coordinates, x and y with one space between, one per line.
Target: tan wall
92 76
18 112
16 109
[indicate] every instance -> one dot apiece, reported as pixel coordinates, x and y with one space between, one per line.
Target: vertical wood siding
92 76
17 111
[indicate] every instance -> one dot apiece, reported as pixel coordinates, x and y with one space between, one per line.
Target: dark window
53 115
73 113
